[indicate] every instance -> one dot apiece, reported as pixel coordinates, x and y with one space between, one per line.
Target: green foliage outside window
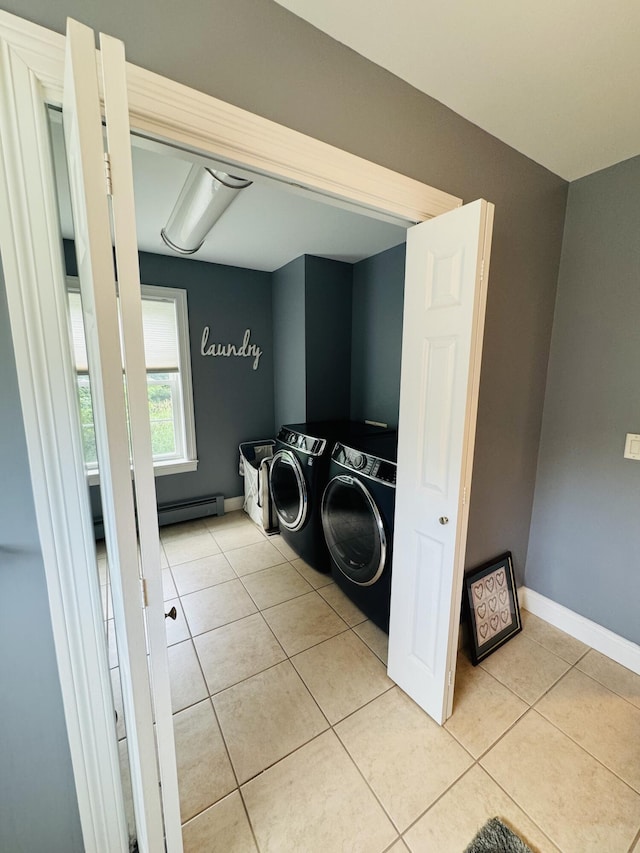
161 417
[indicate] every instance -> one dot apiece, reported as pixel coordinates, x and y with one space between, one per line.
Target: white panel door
116 105
444 307
129 587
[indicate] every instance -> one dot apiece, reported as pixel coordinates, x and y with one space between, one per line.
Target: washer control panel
306 443
365 463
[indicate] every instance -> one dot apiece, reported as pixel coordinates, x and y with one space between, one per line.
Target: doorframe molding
164 109
32 64
33 263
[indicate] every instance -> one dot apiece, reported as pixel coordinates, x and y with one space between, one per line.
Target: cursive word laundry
246 350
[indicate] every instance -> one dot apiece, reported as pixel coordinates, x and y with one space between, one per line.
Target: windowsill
160 469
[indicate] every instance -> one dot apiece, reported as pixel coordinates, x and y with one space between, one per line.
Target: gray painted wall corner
288 312
378 302
328 286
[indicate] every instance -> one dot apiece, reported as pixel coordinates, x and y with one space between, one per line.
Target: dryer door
354 530
288 489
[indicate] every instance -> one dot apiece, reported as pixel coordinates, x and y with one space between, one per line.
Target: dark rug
495 837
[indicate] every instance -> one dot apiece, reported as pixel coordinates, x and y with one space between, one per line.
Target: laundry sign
244 350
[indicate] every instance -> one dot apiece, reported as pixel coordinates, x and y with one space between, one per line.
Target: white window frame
185 427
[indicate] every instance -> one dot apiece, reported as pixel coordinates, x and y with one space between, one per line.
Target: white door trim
32 60
171 111
34 275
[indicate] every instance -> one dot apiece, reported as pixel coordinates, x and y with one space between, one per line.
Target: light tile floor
290 737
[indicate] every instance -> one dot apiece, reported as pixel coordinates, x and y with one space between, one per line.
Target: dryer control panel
365 463
299 441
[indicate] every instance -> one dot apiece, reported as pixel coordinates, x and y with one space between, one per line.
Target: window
166 346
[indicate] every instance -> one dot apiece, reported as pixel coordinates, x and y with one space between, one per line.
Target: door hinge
143 590
450 679
107 174
464 496
482 270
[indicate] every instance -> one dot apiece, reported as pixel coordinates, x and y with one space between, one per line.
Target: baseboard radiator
172 513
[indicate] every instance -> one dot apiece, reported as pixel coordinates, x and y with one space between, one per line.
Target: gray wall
259 56
232 402
38 806
328 338
289 368
256 55
311 340
376 343
584 549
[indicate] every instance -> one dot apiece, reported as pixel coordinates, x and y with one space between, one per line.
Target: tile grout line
591 678
330 726
215 715
533 709
551 651
636 791
503 789
249 821
211 697
363 777
502 684
635 842
478 760
512 725
533 820
531 706
601 683
545 691
238 787
476 763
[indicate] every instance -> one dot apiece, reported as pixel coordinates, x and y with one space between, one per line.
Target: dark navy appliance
298 475
357 519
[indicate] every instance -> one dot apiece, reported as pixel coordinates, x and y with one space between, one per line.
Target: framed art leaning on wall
491 603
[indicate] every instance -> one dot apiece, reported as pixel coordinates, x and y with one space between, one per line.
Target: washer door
288 489
354 530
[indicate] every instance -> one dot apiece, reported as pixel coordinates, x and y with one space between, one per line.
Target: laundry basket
255 459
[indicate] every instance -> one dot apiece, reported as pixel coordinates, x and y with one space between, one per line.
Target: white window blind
167 355
159 329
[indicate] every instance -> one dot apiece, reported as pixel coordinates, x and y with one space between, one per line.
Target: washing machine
358 506
298 475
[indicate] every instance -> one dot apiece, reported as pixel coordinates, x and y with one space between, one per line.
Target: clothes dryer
298 475
358 507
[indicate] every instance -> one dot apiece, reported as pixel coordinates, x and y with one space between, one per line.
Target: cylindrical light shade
202 201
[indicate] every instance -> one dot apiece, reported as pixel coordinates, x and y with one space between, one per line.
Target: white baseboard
601 639
231 504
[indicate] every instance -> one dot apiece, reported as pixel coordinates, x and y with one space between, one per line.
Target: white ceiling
558 80
267 225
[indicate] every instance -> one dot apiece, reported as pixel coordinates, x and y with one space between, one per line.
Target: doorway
243 603
362 186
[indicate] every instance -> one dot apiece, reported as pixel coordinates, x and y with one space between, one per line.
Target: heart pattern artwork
491 606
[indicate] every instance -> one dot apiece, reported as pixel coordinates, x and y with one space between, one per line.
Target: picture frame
491 604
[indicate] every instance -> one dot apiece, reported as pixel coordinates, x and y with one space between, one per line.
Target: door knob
172 614
443 519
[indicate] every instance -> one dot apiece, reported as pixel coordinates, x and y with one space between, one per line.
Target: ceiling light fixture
203 199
